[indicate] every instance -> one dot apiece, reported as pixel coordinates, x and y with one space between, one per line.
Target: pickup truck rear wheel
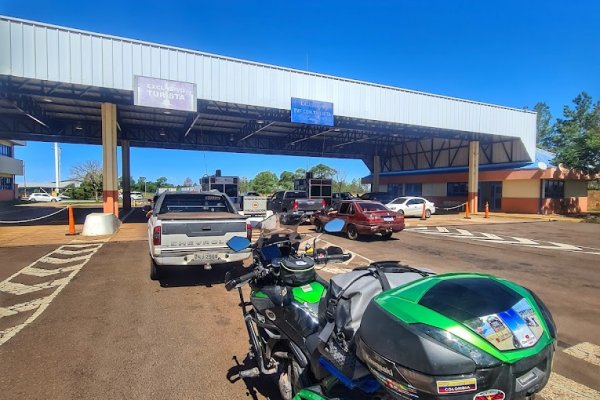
351 232
154 270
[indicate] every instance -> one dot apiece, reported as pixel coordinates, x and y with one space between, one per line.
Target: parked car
43 197
412 206
295 201
136 196
337 197
382 197
362 217
192 228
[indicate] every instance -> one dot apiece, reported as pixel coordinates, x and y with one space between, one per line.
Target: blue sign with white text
312 112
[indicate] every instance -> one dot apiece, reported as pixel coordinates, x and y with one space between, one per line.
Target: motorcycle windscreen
492 310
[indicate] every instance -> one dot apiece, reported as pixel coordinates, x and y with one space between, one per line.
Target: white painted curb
100 224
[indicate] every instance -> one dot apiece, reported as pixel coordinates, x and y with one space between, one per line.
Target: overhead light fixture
47 100
231 138
260 121
162 132
167 112
78 126
353 141
336 130
256 131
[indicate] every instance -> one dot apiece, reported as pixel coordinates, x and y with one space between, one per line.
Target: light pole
144 179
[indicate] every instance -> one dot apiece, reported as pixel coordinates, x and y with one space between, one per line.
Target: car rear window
372 207
194 203
296 195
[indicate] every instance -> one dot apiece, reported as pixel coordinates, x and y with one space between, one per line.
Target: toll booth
315 188
224 184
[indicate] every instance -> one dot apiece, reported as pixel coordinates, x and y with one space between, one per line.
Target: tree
188 182
286 180
300 173
264 182
89 173
322 171
544 127
161 182
577 137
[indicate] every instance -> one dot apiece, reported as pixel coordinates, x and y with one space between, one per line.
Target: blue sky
512 53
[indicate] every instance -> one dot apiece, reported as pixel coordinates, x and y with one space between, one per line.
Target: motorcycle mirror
335 225
238 243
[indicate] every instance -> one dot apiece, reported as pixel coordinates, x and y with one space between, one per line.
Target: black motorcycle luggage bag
350 293
297 271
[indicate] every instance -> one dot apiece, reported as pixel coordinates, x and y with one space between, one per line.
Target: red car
363 217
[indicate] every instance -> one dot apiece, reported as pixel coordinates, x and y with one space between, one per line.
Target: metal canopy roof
53 80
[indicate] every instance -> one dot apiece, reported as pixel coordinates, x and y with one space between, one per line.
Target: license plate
310 202
308 213
206 256
388 219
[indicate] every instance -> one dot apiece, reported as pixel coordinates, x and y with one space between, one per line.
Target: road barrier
32 219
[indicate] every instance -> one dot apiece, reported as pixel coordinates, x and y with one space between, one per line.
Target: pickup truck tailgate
310 204
206 230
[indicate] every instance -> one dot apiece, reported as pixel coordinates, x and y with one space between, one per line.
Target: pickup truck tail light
295 205
156 236
248 230
323 203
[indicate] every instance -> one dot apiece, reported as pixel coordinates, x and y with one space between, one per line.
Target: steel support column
126 168
473 186
376 171
110 186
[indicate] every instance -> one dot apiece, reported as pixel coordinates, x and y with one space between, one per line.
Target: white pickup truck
192 228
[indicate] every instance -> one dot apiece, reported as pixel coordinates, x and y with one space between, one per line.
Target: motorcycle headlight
453 342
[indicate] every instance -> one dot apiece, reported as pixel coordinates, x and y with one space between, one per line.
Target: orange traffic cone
423 216
487 210
71 221
467 210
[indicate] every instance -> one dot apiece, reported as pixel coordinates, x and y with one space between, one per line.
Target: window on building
413 189
554 189
6 183
6 150
457 189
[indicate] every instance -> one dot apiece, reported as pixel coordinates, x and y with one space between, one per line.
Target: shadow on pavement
196 275
262 385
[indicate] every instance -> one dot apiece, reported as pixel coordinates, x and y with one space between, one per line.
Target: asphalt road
113 333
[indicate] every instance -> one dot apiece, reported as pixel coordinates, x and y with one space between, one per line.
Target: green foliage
576 139
322 171
544 127
286 180
300 173
264 182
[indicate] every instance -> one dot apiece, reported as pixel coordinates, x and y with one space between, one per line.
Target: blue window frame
413 189
6 151
6 183
457 189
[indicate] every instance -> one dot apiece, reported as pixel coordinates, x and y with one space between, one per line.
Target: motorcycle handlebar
236 281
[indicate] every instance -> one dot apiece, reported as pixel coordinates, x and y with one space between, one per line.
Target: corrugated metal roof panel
41 51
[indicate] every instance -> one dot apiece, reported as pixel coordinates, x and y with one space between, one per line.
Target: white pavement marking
55 260
561 388
563 246
585 351
491 236
17 308
67 252
42 303
41 272
20 289
525 241
464 232
442 229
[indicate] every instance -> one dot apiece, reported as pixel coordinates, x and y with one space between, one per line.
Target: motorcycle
452 336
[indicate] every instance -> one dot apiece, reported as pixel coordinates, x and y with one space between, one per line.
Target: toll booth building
9 168
59 84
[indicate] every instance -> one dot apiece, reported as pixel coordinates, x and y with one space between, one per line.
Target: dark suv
382 197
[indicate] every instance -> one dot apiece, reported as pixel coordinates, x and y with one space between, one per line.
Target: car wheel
53 201
387 235
400 211
427 213
154 270
351 232
318 226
